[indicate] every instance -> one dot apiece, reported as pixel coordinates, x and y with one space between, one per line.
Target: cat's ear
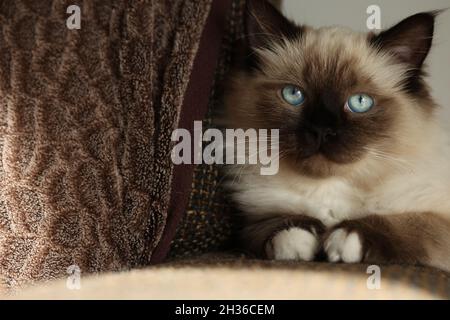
265 24
410 40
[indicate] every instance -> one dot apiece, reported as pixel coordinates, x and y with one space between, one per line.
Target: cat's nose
328 133
313 138
322 134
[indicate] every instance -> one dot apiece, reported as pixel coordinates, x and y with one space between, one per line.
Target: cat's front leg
415 238
283 237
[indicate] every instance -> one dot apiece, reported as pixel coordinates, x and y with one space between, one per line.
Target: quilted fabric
85 122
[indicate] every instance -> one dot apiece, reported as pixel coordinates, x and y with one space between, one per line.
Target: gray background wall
352 13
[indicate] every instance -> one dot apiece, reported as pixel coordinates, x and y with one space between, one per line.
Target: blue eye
293 95
360 103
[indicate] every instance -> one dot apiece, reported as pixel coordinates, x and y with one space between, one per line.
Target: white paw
294 244
343 246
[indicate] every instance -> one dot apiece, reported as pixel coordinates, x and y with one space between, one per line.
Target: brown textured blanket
85 122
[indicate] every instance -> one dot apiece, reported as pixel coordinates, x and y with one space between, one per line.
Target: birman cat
364 167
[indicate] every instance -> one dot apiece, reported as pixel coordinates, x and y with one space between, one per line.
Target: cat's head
339 97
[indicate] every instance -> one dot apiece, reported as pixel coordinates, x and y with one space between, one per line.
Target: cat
364 167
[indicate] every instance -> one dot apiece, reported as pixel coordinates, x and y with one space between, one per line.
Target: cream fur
419 184
411 175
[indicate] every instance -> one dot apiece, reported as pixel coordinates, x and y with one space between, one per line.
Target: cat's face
337 96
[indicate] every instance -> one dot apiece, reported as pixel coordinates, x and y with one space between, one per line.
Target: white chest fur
330 200
425 188
420 184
